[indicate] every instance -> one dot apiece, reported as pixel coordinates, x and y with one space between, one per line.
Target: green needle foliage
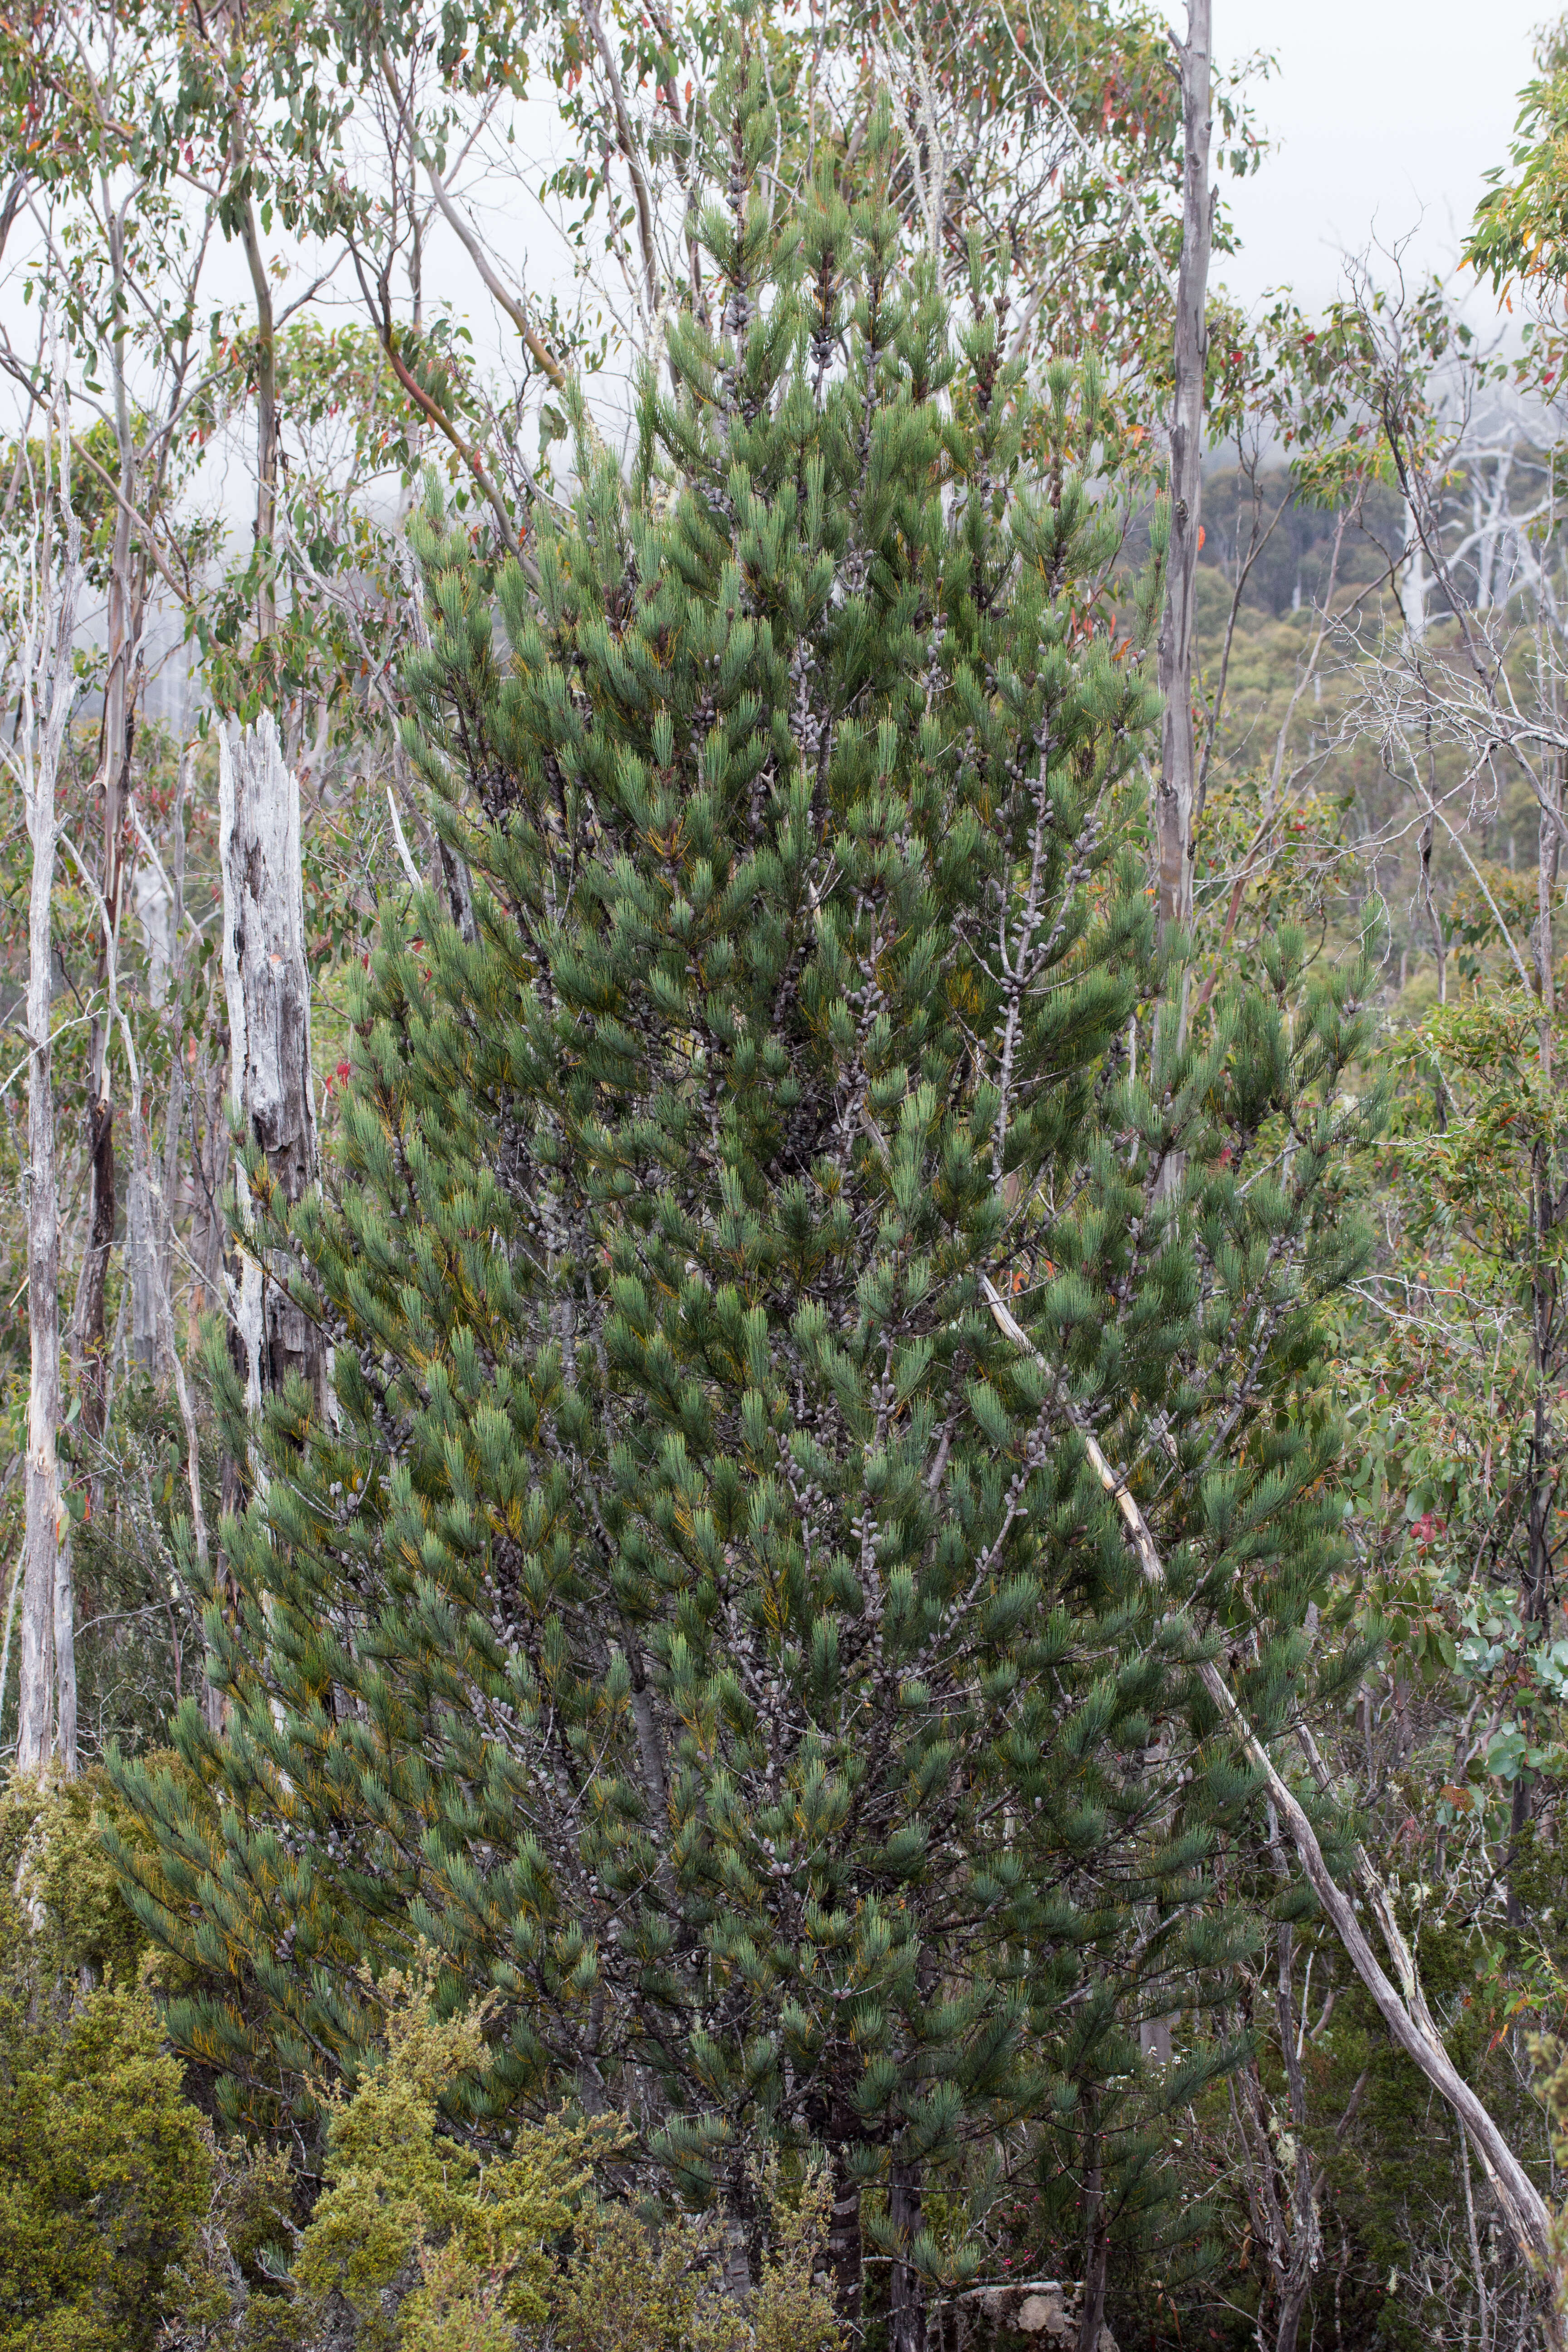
699 1621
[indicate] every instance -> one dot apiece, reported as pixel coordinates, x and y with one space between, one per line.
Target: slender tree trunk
906 2294
46 1518
1413 580
174 1113
1096 2241
91 1335
1175 799
162 1237
1535 1597
845 2259
266 408
1548 852
209 1168
141 1250
738 2230
451 877
124 604
1298 2181
47 1619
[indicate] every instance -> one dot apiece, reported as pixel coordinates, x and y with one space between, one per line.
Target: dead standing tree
267 983
268 986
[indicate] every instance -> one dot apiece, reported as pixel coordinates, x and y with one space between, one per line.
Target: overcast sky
1386 114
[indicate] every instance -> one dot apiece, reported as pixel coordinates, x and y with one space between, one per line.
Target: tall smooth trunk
124 608
47 1613
1175 795
1414 581
46 1518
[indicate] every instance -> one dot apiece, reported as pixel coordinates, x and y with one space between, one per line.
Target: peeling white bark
267 983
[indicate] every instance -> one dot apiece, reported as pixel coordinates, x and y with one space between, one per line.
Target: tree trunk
174 1112
845 2259
209 1172
46 1606
166 1205
1299 2185
267 412
1413 580
91 1335
45 1518
268 988
450 877
123 613
1176 812
906 2293
141 1250
1095 2242
1535 1597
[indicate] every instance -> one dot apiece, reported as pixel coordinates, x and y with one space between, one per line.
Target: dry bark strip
1408 2019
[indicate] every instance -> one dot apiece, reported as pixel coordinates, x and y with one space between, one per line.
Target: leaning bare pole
48 597
1176 809
267 983
1404 2012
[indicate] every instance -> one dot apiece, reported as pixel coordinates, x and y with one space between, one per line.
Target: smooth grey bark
47 1609
1177 808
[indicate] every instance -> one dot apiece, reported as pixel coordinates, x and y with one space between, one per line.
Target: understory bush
126 2223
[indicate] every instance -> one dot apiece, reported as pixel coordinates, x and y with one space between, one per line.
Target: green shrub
420 2244
105 2165
123 2225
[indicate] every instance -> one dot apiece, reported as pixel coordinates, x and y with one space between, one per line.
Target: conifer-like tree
698 1618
